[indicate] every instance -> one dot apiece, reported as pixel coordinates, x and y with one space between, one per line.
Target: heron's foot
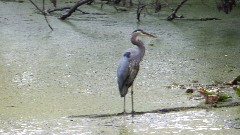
133 112
124 112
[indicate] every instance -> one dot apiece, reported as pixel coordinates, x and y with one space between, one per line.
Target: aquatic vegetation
213 95
237 89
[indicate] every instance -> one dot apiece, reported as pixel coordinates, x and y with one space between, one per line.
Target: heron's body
129 65
128 68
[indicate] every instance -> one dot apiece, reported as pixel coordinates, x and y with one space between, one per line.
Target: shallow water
190 122
47 76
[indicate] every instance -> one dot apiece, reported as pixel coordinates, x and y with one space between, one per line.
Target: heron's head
140 32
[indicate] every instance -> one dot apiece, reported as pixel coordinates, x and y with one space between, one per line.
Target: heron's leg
124 111
132 99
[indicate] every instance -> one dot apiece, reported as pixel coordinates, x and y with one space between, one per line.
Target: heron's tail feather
123 91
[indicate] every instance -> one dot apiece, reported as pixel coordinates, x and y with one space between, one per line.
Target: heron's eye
138 30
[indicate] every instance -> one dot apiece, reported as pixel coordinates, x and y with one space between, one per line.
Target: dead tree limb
62 9
161 111
37 7
42 12
139 10
174 12
90 2
74 8
46 16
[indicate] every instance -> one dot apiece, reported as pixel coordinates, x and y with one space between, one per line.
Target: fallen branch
203 19
162 111
64 8
174 12
74 8
42 11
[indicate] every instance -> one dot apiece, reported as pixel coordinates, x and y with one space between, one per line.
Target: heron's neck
138 43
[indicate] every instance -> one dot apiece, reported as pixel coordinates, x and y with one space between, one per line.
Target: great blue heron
129 65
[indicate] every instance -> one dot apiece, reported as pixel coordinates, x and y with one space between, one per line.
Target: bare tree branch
46 16
173 15
37 7
43 12
139 10
74 8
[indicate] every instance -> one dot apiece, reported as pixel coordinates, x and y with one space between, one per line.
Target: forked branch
174 12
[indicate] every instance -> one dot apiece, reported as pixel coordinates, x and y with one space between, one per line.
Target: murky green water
47 76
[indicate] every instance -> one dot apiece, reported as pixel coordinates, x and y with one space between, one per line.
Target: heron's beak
147 34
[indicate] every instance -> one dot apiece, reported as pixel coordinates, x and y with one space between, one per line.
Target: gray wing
123 70
126 73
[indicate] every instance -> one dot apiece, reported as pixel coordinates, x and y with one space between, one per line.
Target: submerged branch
201 19
162 111
204 19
